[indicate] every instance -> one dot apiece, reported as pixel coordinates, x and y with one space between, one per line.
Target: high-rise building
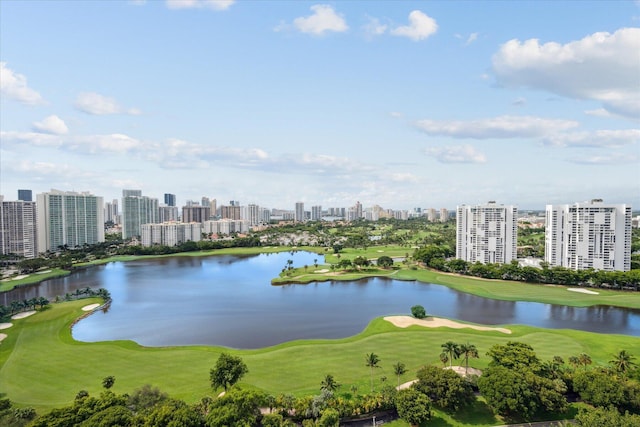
431 214
18 232
169 199
444 215
111 211
69 219
486 233
170 233
230 212
167 213
316 213
299 212
588 235
137 210
25 195
196 213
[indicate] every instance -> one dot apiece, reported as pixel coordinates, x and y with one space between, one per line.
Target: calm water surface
229 301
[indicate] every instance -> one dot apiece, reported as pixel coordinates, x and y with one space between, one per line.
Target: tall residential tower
486 233
588 235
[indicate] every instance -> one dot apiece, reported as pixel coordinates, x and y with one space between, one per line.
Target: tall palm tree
452 350
622 362
467 350
372 360
399 369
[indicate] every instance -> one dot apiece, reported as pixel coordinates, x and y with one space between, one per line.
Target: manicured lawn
43 367
8 284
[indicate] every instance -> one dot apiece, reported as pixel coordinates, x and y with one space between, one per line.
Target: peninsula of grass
487 288
32 279
42 366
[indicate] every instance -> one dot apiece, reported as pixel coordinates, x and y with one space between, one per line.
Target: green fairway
43 367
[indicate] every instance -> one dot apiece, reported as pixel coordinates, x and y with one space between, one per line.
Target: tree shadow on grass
478 413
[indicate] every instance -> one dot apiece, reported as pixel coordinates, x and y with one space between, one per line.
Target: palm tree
452 350
468 350
329 383
399 369
622 362
372 360
584 359
444 358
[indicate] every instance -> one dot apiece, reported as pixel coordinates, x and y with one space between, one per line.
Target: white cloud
598 112
36 139
611 159
374 27
472 38
600 138
94 103
323 19
420 27
601 66
519 102
101 144
52 124
456 154
15 86
395 114
200 4
497 127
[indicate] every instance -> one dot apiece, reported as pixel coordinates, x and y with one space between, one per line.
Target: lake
229 301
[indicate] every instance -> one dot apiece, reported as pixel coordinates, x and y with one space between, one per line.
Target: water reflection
228 300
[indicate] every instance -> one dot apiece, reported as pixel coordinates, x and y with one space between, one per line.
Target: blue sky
400 104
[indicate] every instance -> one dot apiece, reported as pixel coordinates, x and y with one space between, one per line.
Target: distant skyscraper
299 212
18 230
111 211
486 233
431 214
137 210
167 213
444 215
69 219
169 199
588 235
25 195
196 213
316 213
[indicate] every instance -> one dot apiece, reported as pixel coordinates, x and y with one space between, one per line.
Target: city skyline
397 104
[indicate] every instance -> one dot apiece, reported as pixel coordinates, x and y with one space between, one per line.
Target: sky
400 104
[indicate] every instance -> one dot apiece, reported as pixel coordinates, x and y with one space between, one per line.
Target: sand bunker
460 370
583 291
2 336
22 276
5 325
436 322
90 307
324 270
23 315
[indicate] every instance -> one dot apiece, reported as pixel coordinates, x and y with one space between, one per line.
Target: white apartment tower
137 210
316 213
588 235
69 219
486 233
18 228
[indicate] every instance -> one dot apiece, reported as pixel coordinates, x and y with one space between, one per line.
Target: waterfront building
486 233
137 210
170 233
588 235
69 219
18 229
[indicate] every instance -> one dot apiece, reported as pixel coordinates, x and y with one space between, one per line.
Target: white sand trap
583 291
44 272
324 270
379 251
461 369
436 322
5 325
22 276
90 307
406 385
23 314
2 336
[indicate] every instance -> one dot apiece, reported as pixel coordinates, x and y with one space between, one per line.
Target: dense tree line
438 257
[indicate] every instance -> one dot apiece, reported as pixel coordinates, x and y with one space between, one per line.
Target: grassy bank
31 279
43 367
